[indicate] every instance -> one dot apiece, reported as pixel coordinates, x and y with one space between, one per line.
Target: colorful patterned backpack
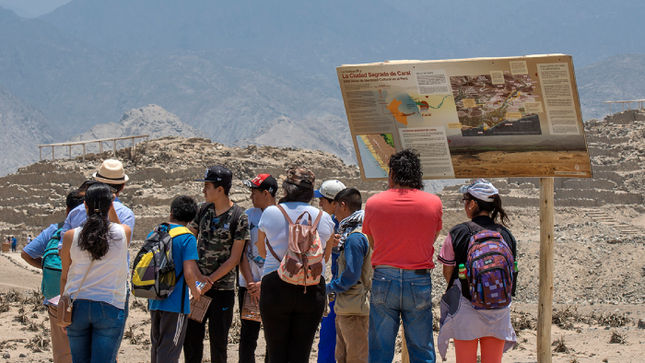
489 268
302 264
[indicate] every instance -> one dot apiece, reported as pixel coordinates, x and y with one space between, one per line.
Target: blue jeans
327 342
95 332
401 295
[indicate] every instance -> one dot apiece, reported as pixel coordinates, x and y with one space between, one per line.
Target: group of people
381 262
14 242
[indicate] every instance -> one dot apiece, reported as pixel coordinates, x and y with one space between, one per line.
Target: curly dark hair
94 235
405 169
183 208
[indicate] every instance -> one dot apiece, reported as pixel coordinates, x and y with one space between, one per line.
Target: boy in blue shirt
168 329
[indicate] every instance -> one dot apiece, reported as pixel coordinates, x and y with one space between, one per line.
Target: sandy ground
581 333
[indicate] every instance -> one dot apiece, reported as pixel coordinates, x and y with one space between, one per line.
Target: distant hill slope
618 78
150 120
23 129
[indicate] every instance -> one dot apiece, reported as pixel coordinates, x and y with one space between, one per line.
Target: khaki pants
60 343
351 338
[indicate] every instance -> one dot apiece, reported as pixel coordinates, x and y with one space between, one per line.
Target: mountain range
257 72
23 129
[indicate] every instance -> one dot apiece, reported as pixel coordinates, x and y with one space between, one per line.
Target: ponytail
495 208
94 234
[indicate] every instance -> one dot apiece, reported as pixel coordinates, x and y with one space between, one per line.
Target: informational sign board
482 117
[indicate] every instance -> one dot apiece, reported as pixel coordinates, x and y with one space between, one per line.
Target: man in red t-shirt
402 224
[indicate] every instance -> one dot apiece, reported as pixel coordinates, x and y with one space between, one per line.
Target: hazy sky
32 8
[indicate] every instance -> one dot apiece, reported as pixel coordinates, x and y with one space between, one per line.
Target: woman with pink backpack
478 260
292 296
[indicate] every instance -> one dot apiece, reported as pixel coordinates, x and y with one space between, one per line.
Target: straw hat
111 172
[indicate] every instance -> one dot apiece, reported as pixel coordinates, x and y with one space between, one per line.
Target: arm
228 265
245 270
260 244
36 262
128 233
190 267
112 216
447 272
332 242
65 258
356 248
253 287
34 251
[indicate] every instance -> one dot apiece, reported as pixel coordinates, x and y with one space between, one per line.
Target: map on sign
404 106
375 152
496 104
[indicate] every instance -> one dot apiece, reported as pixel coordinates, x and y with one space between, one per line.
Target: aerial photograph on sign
375 152
486 107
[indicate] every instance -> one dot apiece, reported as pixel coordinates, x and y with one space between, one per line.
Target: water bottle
515 266
462 271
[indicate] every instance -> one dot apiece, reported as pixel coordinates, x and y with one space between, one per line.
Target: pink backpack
302 264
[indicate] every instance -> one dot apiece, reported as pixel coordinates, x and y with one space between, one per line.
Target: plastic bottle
515 266
462 271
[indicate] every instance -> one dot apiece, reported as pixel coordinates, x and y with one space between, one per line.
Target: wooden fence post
545 298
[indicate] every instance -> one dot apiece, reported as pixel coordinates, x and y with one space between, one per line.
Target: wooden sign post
545 298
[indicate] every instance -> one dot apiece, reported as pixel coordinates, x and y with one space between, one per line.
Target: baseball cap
301 176
329 189
263 182
217 174
480 189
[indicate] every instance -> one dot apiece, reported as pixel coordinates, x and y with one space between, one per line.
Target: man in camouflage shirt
222 231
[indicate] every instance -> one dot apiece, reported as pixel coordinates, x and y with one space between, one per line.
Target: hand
253 290
206 287
197 293
336 240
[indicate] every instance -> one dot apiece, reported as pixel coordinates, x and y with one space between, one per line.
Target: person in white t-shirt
263 190
290 316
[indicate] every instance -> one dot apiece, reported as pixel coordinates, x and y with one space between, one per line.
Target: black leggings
290 318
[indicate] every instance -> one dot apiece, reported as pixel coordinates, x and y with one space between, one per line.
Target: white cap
329 189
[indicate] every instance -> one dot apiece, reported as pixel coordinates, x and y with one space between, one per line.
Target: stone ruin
163 168
34 197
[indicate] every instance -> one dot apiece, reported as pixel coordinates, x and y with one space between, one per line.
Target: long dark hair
94 235
296 193
494 207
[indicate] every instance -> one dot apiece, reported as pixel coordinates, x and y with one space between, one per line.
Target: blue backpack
52 266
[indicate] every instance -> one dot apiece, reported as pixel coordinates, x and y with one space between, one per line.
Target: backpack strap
178 231
235 218
203 210
473 229
275 255
286 216
284 213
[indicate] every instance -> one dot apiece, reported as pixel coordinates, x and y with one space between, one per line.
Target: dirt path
16 274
